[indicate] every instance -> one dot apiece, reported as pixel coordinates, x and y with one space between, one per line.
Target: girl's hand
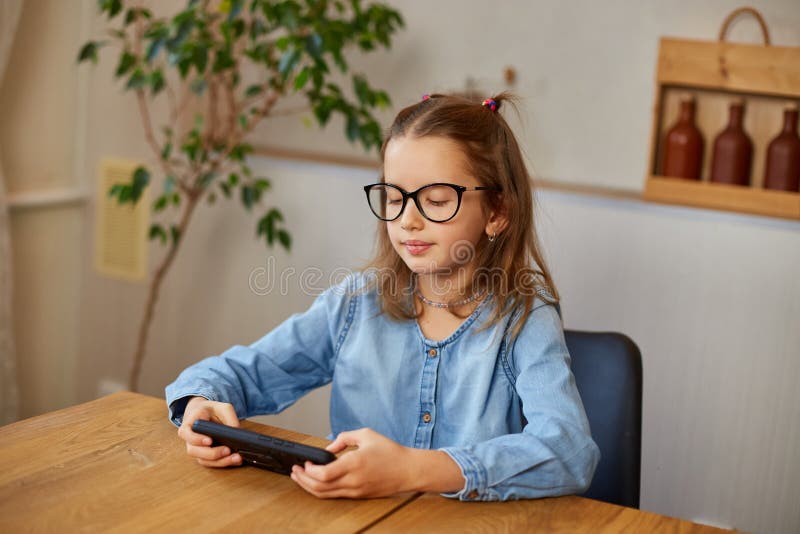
198 446
379 468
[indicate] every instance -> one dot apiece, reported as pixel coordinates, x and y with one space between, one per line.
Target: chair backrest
608 372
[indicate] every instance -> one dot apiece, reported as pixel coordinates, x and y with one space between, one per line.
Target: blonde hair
514 262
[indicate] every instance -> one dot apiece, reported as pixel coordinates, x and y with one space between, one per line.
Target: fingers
225 413
199 408
198 445
336 446
190 436
330 472
348 439
324 490
227 461
207 453
213 456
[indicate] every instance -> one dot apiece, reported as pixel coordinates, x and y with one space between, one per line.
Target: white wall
586 72
38 133
712 299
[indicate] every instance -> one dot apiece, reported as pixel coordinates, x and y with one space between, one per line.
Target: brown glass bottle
783 156
683 145
732 158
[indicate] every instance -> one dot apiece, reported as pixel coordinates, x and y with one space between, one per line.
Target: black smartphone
261 450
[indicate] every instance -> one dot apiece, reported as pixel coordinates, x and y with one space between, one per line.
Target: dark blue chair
608 372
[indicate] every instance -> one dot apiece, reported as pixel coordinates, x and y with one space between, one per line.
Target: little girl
447 357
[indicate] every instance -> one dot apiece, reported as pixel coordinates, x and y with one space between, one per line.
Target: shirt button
432 353
426 417
472 494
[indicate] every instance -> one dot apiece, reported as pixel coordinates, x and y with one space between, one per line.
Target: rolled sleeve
473 472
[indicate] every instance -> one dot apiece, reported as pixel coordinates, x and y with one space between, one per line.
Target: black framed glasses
437 202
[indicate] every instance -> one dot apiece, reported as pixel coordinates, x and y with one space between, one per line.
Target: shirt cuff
474 475
177 400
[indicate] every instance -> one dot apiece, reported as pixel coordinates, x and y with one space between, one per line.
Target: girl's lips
417 247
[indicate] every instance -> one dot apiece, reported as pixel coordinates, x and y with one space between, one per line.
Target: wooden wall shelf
715 72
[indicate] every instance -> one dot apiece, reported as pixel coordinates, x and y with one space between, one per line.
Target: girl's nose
411 218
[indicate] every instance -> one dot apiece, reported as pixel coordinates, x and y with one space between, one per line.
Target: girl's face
430 247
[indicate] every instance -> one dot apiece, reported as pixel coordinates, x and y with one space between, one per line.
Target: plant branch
153 292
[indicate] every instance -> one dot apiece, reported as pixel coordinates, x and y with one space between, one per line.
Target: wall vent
120 231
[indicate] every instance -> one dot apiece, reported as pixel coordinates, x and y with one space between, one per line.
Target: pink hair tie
425 97
491 104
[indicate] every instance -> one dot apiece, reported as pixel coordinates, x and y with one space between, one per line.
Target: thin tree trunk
152 295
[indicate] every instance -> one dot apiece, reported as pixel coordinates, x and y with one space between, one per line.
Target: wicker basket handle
750 11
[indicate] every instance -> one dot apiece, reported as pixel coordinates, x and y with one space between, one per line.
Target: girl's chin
420 266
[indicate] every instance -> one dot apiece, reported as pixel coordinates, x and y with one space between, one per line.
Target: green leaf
288 14
353 129
89 51
382 99
125 194
253 90
211 198
135 12
362 90
262 184
285 239
153 49
111 7
223 61
126 61
136 80
225 6
176 199
314 44
115 190
141 177
207 178
156 81
161 203
157 232
226 189
240 151
200 58
339 60
248 197
176 235
282 43
302 78
266 227
288 62
166 151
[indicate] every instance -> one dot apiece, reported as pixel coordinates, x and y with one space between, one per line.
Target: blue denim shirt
508 413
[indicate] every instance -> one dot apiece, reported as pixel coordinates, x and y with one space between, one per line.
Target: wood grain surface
116 464
432 513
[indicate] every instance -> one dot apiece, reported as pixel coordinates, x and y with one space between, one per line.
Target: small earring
492 237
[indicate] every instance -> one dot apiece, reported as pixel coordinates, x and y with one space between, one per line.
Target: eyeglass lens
437 202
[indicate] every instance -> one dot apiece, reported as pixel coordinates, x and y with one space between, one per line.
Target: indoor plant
220 67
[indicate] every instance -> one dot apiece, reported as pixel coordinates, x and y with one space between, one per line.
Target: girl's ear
496 223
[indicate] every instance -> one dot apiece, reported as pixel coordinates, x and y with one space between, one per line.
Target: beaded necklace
455 304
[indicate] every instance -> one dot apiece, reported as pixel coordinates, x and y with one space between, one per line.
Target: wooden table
116 464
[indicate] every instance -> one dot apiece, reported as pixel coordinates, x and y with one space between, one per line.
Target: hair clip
425 97
489 103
